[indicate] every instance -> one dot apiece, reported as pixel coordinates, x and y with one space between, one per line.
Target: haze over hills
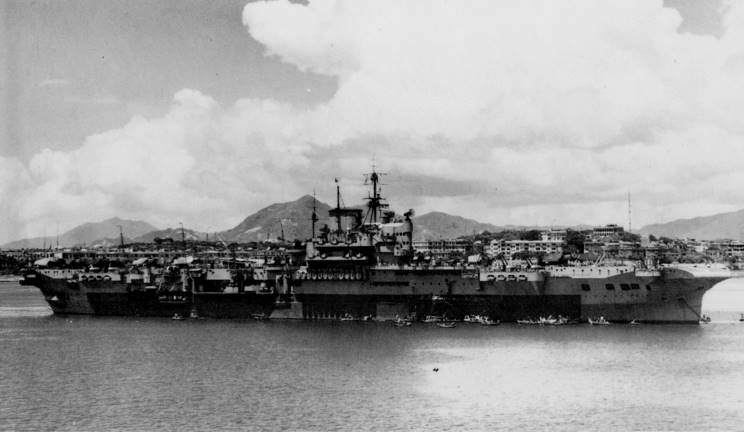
294 219
723 225
438 225
87 234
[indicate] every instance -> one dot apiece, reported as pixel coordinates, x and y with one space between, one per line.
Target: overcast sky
509 112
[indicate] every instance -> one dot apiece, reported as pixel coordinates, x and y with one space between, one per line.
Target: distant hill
173 233
718 226
267 223
438 225
87 234
295 217
31 243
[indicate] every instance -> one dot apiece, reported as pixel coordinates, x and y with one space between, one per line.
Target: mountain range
719 226
291 220
438 225
90 234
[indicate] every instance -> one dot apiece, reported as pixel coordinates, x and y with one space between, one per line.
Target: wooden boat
600 321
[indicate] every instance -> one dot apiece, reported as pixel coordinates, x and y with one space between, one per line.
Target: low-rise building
606 233
510 247
441 247
559 235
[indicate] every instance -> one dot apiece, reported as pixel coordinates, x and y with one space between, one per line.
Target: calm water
98 373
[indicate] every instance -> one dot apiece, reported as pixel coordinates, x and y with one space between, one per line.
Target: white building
440 247
607 232
510 247
554 235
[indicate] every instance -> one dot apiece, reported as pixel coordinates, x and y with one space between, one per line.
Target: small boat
259 316
433 319
742 318
347 317
600 321
193 314
704 319
548 321
177 317
489 322
561 320
446 325
527 322
400 322
634 322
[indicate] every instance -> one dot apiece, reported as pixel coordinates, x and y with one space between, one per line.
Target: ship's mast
121 236
375 201
630 227
338 205
183 237
314 217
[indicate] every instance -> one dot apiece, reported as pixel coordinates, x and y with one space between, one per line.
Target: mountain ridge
293 219
718 226
86 233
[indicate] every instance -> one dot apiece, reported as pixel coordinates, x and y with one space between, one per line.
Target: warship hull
103 294
670 296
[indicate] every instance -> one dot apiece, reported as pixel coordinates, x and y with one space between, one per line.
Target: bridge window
585 287
624 287
610 286
635 286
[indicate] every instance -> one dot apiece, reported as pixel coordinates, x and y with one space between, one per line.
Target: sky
508 112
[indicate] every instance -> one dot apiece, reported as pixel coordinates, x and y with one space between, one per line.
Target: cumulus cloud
558 105
504 111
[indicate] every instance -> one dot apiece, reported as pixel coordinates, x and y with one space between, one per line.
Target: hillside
87 234
295 217
267 223
173 233
722 225
438 225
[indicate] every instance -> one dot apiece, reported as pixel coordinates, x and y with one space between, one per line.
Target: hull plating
387 294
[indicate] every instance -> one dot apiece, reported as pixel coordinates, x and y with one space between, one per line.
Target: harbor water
83 373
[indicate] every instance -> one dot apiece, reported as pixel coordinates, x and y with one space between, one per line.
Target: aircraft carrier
363 268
